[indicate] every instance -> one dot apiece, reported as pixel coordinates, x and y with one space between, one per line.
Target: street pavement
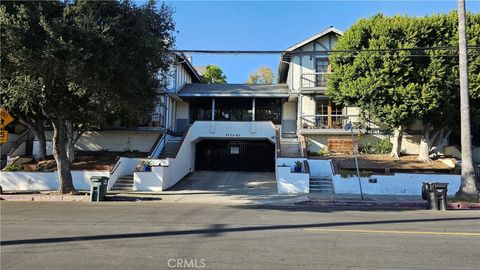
161 235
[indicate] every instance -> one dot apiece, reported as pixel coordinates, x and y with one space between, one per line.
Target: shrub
13 168
320 153
383 146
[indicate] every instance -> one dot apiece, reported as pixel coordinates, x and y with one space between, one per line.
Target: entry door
224 155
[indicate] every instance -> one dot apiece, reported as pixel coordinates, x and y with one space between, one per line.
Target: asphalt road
156 235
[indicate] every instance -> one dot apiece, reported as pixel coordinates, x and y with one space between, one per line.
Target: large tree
401 87
214 74
90 62
263 75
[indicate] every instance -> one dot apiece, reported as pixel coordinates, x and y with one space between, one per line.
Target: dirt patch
89 161
386 163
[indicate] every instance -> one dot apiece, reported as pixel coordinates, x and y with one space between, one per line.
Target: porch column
253 109
213 109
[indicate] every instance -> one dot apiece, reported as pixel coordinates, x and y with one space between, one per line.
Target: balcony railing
329 121
311 80
153 120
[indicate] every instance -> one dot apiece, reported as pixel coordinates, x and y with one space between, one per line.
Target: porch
329 123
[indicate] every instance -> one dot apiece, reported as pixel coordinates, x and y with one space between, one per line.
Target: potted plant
298 166
146 166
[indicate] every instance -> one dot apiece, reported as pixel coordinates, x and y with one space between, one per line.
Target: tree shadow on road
218 230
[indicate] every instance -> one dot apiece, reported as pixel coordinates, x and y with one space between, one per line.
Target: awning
234 90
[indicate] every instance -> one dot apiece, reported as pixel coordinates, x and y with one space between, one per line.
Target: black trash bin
98 188
441 195
429 194
436 195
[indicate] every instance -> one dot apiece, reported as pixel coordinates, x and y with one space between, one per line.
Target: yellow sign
3 136
5 118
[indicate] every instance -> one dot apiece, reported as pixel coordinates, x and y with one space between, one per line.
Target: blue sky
275 25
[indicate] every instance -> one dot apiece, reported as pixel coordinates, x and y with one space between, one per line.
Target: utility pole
468 188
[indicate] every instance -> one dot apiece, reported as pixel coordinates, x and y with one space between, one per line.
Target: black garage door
235 155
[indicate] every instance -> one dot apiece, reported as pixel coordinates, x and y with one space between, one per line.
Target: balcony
312 81
152 121
332 124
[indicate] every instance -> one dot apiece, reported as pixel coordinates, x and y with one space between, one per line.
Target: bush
13 168
320 153
347 173
378 147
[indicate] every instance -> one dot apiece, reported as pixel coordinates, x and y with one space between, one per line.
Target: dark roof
234 90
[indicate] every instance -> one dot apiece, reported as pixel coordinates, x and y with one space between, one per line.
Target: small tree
263 75
214 74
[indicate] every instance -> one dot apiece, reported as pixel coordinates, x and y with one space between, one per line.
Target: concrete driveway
229 182
224 187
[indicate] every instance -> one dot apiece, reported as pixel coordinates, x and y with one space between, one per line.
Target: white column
213 109
253 109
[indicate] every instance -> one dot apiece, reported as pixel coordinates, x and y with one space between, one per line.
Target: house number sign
232 135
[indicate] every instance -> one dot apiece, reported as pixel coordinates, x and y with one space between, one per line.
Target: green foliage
320 153
347 173
12 168
383 146
85 62
264 75
400 87
298 163
214 74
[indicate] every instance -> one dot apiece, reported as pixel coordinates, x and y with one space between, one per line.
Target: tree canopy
263 75
214 74
400 87
83 63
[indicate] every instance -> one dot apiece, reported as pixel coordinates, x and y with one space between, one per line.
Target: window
329 114
321 67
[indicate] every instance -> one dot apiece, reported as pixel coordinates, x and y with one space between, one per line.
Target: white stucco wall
290 110
45 181
182 110
289 181
117 140
397 184
149 181
292 183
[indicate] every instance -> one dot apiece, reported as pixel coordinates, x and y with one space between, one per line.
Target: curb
44 198
378 204
463 205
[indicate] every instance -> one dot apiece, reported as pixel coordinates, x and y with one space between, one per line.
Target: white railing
316 79
333 121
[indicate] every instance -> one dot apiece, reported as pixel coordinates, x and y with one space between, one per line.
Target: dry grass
101 160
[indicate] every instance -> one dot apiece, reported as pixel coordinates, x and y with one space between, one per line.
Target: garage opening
235 155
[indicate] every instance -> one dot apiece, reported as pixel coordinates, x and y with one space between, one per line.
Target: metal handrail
159 143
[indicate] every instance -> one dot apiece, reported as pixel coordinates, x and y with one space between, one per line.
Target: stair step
322 191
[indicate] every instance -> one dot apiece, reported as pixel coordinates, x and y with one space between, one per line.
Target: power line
436 48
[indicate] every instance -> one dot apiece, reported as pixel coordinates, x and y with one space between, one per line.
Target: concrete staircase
124 183
322 184
290 147
171 147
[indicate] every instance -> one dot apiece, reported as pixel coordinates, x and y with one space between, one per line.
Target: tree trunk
70 142
468 188
42 145
425 144
397 142
60 141
35 123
